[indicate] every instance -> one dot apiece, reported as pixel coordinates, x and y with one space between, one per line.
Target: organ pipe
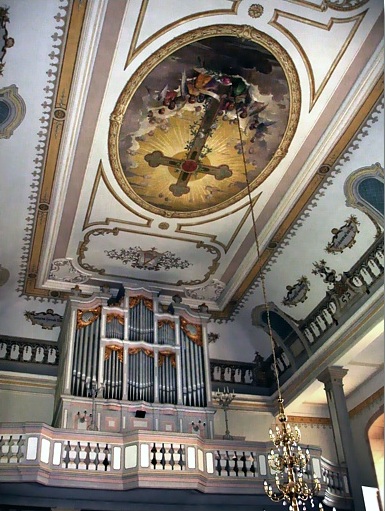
85 357
178 375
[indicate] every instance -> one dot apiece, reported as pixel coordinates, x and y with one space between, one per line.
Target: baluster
87 459
218 464
252 465
181 461
235 459
227 466
153 459
77 455
82 456
106 461
163 458
66 455
96 459
244 467
20 451
10 452
172 461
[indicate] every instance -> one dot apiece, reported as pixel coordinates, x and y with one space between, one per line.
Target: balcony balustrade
82 459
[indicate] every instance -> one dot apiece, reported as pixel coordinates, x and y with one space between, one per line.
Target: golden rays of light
152 184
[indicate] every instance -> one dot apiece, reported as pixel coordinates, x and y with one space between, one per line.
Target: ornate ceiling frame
239 31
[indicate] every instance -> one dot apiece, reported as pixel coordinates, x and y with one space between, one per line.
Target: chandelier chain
263 284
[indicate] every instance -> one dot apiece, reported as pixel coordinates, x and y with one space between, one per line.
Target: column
332 379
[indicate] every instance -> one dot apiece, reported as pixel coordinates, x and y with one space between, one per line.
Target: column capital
332 374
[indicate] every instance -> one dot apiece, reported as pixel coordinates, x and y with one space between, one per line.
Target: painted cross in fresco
192 162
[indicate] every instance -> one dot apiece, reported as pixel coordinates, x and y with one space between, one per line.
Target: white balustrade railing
31 451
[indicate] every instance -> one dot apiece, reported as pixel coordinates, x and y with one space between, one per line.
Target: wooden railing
37 452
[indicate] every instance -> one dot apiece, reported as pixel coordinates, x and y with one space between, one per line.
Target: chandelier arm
270 331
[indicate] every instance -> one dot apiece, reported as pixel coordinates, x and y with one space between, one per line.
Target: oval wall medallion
174 139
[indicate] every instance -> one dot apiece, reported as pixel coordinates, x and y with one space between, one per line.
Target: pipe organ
134 361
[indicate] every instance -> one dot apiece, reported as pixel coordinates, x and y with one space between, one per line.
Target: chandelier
289 463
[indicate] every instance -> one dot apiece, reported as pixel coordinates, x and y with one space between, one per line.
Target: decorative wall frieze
376 398
310 421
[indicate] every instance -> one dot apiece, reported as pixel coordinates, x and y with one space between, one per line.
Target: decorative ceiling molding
212 263
135 50
101 177
63 270
182 228
240 31
323 178
356 20
337 5
48 148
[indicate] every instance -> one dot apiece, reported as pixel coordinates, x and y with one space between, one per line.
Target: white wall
360 419
26 398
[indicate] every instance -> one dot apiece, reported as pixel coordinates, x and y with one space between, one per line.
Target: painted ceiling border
319 180
135 50
192 36
101 176
315 94
60 76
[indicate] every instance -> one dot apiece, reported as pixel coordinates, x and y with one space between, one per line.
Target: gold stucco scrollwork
113 347
344 5
113 316
135 351
86 317
193 331
163 354
168 322
134 300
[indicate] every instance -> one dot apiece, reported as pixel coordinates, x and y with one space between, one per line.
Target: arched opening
376 442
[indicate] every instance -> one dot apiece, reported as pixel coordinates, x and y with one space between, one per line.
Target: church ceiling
164 133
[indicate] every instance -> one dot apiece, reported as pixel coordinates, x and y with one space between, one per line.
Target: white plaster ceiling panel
113 252
32 68
103 206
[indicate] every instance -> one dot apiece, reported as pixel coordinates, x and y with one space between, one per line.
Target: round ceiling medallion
176 131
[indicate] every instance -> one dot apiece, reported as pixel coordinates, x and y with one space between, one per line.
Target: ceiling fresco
125 166
180 136
144 182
